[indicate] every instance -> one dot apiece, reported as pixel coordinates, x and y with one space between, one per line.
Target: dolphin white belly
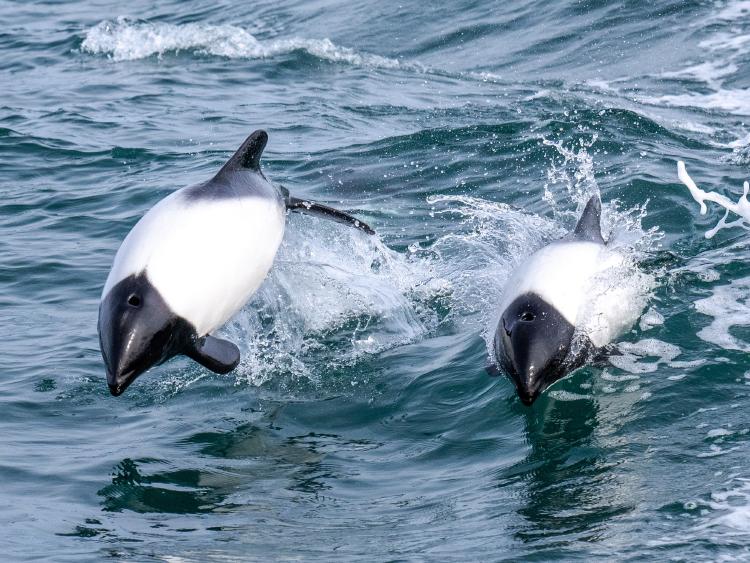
205 257
572 277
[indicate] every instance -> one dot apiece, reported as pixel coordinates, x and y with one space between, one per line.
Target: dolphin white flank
554 313
191 263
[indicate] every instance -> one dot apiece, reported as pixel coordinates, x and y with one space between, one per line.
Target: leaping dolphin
191 263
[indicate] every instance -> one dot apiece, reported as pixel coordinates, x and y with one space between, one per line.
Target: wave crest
126 40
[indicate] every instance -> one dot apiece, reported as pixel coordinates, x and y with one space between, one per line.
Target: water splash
127 40
741 208
333 298
487 242
575 173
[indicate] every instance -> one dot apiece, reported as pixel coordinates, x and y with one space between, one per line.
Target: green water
361 424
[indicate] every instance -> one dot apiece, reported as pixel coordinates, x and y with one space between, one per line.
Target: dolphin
192 262
554 316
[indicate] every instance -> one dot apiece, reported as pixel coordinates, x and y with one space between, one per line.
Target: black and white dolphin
191 263
562 303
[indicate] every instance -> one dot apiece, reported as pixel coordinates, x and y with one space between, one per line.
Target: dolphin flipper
220 356
324 212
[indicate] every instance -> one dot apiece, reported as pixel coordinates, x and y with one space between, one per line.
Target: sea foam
126 40
728 305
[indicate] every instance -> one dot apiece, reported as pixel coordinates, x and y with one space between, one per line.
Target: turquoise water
361 424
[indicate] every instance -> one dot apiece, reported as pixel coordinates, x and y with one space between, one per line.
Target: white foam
686 365
566 396
650 319
740 152
733 11
732 505
633 355
726 42
606 376
715 451
710 72
692 126
729 307
733 100
723 49
724 517
741 208
126 40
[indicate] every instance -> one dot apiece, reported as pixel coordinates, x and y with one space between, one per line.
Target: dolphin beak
137 330
527 388
118 383
528 381
528 357
121 375
520 361
127 354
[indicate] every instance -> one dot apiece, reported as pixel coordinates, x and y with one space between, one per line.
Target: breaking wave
126 40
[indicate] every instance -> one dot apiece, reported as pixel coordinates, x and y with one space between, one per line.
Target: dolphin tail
324 212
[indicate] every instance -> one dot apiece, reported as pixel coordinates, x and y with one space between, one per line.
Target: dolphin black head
137 330
533 342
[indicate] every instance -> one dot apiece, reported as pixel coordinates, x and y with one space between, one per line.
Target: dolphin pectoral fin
220 356
492 369
324 212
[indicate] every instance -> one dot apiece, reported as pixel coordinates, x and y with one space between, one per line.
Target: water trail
741 208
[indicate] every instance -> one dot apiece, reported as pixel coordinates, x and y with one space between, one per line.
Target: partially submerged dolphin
554 314
191 263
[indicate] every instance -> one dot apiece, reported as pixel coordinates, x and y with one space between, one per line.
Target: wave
126 40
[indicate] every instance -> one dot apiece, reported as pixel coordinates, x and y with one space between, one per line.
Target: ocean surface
361 424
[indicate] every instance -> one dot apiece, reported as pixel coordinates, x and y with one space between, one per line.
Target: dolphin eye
134 300
527 316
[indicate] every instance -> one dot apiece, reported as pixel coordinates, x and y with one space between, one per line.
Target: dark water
361 424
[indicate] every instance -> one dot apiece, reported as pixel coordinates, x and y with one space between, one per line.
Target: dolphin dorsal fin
589 226
247 156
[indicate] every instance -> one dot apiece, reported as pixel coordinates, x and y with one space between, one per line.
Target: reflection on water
177 492
570 479
232 467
